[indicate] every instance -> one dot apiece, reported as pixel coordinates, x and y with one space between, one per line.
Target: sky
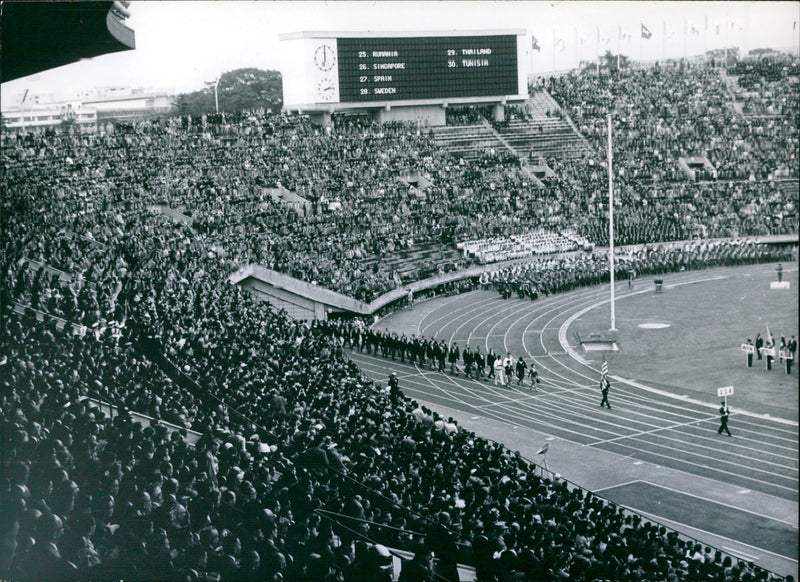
179 45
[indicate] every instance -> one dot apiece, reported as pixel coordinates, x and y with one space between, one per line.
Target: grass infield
707 322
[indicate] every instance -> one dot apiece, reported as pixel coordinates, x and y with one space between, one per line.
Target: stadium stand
299 458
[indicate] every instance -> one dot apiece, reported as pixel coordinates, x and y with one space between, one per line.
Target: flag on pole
769 335
544 449
646 32
535 44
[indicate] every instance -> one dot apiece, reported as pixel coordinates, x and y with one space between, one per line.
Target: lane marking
664 520
720 503
562 337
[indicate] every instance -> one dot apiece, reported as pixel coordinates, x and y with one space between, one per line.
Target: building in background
86 109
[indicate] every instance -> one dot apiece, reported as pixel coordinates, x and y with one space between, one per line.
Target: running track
645 423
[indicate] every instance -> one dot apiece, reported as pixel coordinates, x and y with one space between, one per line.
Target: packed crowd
369 190
552 275
292 434
768 86
301 456
664 113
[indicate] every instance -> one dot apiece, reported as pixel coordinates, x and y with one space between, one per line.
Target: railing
345 303
191 437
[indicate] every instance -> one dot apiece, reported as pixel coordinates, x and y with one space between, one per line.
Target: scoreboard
431 67
321 69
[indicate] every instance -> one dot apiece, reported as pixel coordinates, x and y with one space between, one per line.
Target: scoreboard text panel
373 69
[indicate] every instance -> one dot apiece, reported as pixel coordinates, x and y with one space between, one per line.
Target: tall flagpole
611 227
597 51
685 28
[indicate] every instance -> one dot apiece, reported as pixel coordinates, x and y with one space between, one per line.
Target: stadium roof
37 36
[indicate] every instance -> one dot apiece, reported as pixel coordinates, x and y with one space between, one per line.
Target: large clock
326 90
325 57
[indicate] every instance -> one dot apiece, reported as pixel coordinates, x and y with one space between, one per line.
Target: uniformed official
770 346
724 413
605 386
479 361
441 355
467 357
521 366
490 358
452 357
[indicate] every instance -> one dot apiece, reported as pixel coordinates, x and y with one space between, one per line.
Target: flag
694 31
544 449
604 373
560 44
646 32
535 44
601 38
769 336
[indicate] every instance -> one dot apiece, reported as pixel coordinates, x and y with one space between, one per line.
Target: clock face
326 89
325 57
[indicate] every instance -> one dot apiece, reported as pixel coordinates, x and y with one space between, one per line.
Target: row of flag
644 33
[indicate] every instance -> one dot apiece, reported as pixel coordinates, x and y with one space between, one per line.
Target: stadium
435 319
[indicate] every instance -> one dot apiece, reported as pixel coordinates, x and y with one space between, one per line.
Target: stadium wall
307 301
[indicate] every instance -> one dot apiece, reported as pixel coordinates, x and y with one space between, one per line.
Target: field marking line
562 338
660 519
720 503
644 432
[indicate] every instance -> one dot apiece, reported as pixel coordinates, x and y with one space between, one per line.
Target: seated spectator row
219 171
293 433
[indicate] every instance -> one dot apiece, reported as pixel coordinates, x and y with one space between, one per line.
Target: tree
237 90
614 62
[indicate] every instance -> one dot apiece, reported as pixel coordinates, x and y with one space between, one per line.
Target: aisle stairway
467 141
547 134
408 262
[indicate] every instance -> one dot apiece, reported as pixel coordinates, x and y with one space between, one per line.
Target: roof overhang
37 36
